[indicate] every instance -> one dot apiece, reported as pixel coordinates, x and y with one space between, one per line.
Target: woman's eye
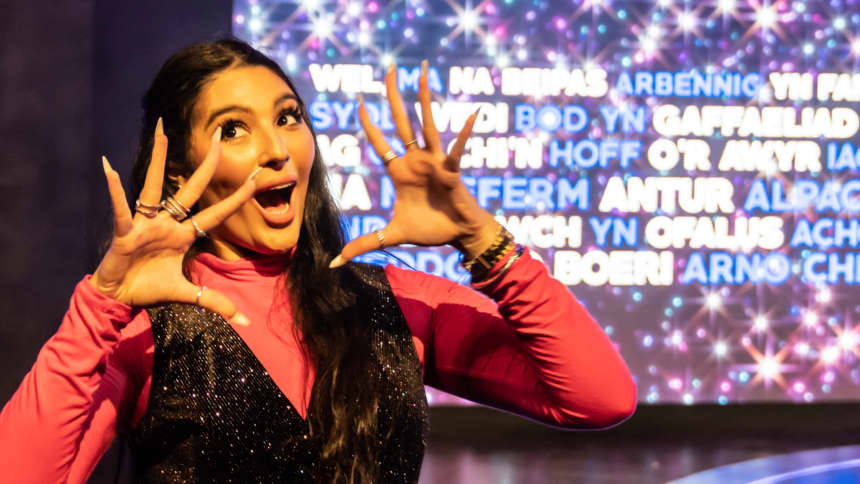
231 129
288 117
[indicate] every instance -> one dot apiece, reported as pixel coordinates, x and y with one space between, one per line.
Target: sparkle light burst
767 19
721 349
847 337
769 367
760 324
686 21
713 301
323 27
311 5
593 7
855 46
726 7
830 355
468 20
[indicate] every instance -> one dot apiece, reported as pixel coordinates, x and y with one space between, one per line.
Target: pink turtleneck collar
246 268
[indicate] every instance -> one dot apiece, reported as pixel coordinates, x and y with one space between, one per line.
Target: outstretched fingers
122 218
151 192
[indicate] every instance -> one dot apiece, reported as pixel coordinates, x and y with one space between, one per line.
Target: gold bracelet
481 265
496 277
467 264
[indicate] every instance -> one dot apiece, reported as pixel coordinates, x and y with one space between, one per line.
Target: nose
275 153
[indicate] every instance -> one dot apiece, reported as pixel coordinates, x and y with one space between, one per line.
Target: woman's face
261 127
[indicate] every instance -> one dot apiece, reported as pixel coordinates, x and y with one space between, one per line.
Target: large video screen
686 168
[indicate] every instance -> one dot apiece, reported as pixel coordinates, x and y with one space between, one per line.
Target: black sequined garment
215 415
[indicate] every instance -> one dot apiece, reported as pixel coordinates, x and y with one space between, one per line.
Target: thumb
364 244
218 303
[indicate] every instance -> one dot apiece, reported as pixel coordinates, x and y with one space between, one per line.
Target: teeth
285 185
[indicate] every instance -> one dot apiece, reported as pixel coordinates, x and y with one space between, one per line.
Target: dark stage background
72 76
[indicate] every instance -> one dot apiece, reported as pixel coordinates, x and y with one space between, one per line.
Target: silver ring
199 293
380 238
413 141
200 232
388 156
179 204
174 208
146 210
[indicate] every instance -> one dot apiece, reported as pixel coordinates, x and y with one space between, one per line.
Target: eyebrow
236 107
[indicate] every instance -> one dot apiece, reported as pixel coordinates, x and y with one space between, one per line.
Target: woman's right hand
143 265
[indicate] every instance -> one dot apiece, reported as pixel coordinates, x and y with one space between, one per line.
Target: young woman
227 333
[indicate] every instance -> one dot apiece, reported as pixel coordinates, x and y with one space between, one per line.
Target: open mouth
276 198
275 202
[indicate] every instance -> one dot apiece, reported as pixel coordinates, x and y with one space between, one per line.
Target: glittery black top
215 415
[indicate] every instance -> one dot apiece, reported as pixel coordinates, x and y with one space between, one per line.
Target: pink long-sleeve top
526 346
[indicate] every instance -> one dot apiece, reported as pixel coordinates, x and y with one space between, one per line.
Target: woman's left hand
432 205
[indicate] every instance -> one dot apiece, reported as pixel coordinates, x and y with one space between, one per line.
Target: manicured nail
360 99
159 127
241 320
336 262
106 165
424 65
253 175
216 136
391 67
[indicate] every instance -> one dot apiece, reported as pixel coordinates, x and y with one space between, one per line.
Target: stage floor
658 445
618 462
831 465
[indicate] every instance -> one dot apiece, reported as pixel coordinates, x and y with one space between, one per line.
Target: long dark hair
343 405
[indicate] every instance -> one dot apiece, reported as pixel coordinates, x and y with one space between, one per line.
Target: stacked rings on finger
200 232
413 141
199 293
380 237
388 156
174 208
146 210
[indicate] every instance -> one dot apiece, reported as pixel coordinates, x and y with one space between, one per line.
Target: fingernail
159 127
391 67
106 165
336 262
360 99
253 175
424 65
241 320
216 136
